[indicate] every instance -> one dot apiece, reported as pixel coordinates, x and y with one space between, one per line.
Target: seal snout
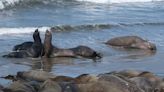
19 74
152 46
48 32
37 30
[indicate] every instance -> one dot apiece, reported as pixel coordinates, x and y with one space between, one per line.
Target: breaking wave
22 30
118 1
12 3
59 28
63 28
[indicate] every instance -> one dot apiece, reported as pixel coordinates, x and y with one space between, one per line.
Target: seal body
131 42
23 46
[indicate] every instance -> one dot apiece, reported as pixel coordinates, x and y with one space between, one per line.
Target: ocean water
83 22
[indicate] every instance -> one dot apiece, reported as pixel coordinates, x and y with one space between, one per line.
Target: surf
8 4
118 1
66 28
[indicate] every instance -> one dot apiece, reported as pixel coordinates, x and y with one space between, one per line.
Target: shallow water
84 23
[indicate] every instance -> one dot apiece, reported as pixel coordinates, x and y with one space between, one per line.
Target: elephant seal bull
34 51
52 51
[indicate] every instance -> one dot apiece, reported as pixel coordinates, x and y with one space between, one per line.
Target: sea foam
62 28
5 3
118 1
22 30
11 3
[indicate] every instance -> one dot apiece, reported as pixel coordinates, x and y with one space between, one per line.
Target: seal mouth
153 48
19 74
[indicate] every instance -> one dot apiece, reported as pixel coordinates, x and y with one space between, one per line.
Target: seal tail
16 55
10 55
10 77
5 56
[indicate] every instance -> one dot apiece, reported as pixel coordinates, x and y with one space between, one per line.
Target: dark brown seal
131 42
24 45
33 51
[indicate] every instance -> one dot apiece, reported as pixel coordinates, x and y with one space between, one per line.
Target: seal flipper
21 54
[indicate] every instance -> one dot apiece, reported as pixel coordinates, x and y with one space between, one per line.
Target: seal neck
47 44
36 38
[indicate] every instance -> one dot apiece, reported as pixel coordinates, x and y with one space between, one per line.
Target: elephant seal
131 42
52 51
81 79
145 84
20 86
121 82
50 86
53 86
33 51
85 78
1 88
35 75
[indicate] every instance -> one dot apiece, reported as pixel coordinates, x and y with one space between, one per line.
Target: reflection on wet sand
46 64
139 54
